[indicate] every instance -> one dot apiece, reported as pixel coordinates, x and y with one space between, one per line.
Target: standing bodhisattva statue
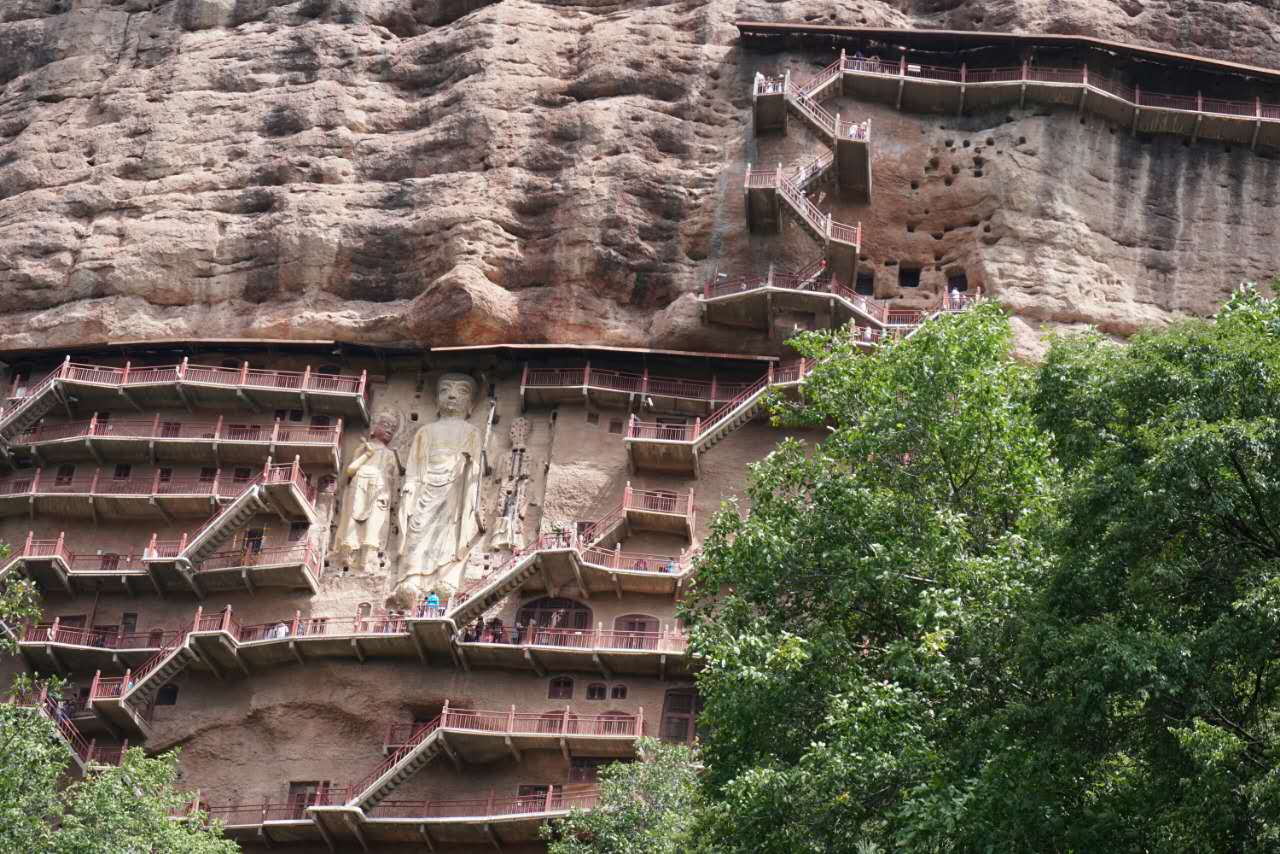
439 516
366 507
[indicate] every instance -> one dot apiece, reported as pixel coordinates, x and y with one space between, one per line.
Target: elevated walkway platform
93 387
676 449
156 441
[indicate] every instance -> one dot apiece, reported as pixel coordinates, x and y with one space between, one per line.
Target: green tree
1154 655
645 807
855 628
120 810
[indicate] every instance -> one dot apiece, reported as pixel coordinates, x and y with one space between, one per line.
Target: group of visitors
494 632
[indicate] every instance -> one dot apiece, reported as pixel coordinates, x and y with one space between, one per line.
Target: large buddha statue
439 506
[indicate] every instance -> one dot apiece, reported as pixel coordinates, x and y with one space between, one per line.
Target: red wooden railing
54 633
641 383
555 800
512 722
211 430
243 377
58 713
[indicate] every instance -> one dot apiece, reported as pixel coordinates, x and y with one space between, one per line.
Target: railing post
1024 71
182 369
617 555
155 425
770 380
524 375
124 378
93 743
93 686
217 479
713 387
35 481
53 632
226 619
306 378
155 483
217 428
644 381
962 72
244 374
26 549
586 376
902 66
195 627
93 424
626 496
640 722
511 719
489 806
124 686
62 535
550 791
565 729
293 629
697 427
93 487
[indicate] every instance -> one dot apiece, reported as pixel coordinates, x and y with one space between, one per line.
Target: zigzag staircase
747 404
23 412
145 682
474 600
425 745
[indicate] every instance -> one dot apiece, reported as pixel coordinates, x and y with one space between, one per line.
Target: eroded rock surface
455 171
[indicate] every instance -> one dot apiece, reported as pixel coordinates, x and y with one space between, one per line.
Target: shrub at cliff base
646 806
1004 607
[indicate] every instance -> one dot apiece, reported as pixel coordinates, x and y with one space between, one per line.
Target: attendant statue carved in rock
374 474
439 512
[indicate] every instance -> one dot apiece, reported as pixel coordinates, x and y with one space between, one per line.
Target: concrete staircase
224 525
493 587
156 673
425 746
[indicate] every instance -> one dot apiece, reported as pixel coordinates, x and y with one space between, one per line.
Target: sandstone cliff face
455 171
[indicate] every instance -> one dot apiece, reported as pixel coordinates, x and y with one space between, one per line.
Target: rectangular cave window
865 284
298 530
128 622
167 695
909 277
957 282
615 426
593 417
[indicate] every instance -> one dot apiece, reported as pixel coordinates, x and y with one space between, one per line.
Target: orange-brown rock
450 171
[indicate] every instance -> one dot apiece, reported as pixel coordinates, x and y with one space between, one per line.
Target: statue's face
383 429
454 395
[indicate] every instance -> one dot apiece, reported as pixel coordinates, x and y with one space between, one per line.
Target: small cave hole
955 170
986 229
911 227
990 141
966 143
947 182
948 143
1022 140
915 185
909 277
